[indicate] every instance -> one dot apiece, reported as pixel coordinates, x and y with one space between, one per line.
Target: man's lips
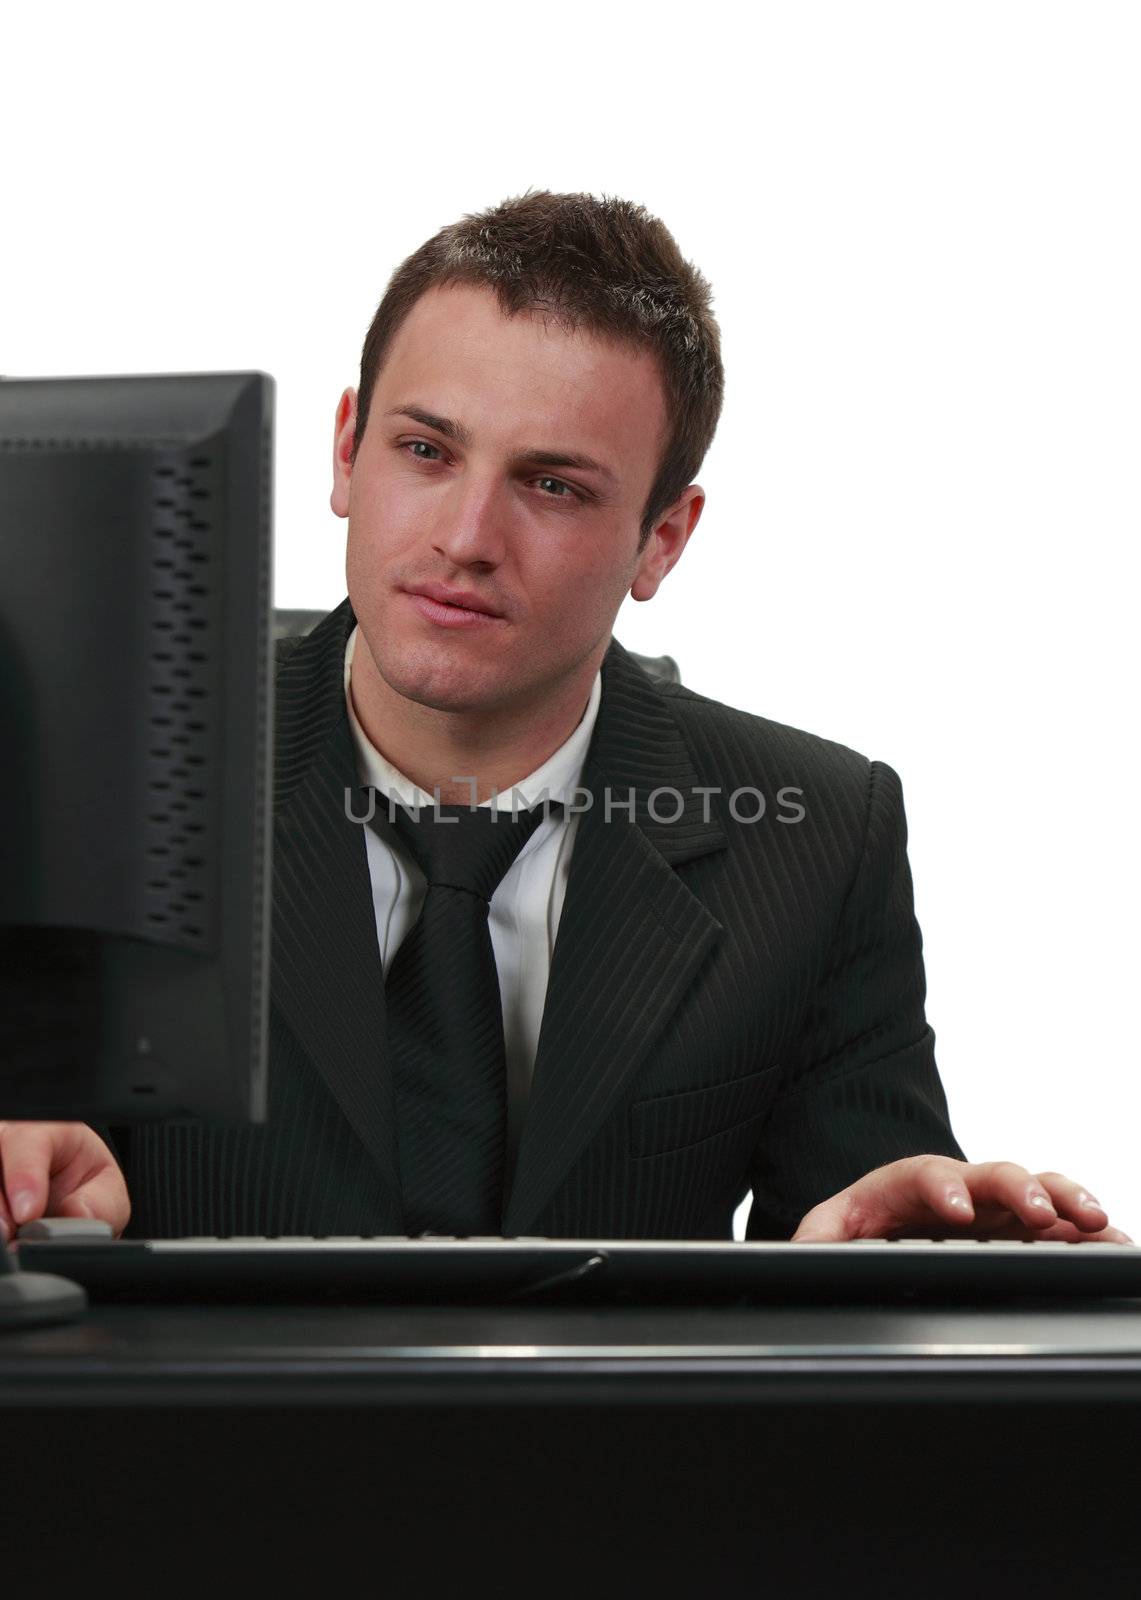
463 597
452 612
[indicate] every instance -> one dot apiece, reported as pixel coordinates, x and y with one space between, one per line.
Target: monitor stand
31 1299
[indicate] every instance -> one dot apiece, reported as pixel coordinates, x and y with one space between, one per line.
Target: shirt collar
558 776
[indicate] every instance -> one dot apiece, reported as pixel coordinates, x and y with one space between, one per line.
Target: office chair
287 624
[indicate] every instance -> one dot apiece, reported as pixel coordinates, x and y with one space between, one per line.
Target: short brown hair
604 265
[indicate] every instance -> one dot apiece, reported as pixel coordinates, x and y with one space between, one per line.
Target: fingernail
955 1198
1044 1202
22 1205
1088 1200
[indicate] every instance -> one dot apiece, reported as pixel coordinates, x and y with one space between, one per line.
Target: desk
635 1450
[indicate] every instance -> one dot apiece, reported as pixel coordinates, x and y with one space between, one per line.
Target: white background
921 226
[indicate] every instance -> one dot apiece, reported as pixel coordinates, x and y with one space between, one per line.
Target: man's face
468 496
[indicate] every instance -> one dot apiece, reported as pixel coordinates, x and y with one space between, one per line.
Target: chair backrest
288 624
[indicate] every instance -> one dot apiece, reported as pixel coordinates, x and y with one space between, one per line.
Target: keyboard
436 1268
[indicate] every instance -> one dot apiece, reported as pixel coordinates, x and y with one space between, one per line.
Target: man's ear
344 431
666 542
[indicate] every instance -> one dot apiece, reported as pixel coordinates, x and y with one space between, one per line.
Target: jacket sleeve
862 1087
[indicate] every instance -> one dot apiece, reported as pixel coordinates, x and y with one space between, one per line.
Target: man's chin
441 687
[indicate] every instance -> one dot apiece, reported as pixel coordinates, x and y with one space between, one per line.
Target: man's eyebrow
450 430
536 456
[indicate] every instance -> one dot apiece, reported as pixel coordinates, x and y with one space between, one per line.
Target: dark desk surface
386 1355
906 1451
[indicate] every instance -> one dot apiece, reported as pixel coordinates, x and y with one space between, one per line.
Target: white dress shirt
525 908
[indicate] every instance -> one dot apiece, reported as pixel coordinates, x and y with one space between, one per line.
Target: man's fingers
906 1196
914 1194
927 1196
1074 1202
105 1197
922 1196
60 1169
1066 1233
994 1190
26 1157
1038 1200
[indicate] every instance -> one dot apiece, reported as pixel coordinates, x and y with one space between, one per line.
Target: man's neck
492 749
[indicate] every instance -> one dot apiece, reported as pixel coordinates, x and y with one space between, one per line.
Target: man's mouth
453 608
459 599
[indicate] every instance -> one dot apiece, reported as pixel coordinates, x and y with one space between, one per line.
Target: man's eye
563 490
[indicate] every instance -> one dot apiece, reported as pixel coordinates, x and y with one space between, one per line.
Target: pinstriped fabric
732 1004
305 1170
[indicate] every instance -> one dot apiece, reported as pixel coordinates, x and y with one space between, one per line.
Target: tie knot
466 847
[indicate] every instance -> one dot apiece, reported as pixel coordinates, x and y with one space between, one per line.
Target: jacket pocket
667 1122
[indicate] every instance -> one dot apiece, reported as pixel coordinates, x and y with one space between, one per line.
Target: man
708 971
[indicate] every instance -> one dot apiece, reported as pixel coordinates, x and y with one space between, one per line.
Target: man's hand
923 1197
64 1169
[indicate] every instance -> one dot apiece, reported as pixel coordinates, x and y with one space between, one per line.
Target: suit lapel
631 936
327 979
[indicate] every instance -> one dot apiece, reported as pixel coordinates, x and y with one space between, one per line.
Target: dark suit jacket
732 1005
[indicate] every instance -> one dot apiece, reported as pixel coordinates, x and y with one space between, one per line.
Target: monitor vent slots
182 702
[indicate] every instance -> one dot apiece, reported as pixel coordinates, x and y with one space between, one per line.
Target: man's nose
473 524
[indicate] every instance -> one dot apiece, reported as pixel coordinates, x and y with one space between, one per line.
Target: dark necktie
445 1019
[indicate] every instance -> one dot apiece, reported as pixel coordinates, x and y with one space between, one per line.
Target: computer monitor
136 730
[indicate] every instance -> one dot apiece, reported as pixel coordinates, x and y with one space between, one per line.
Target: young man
699 975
